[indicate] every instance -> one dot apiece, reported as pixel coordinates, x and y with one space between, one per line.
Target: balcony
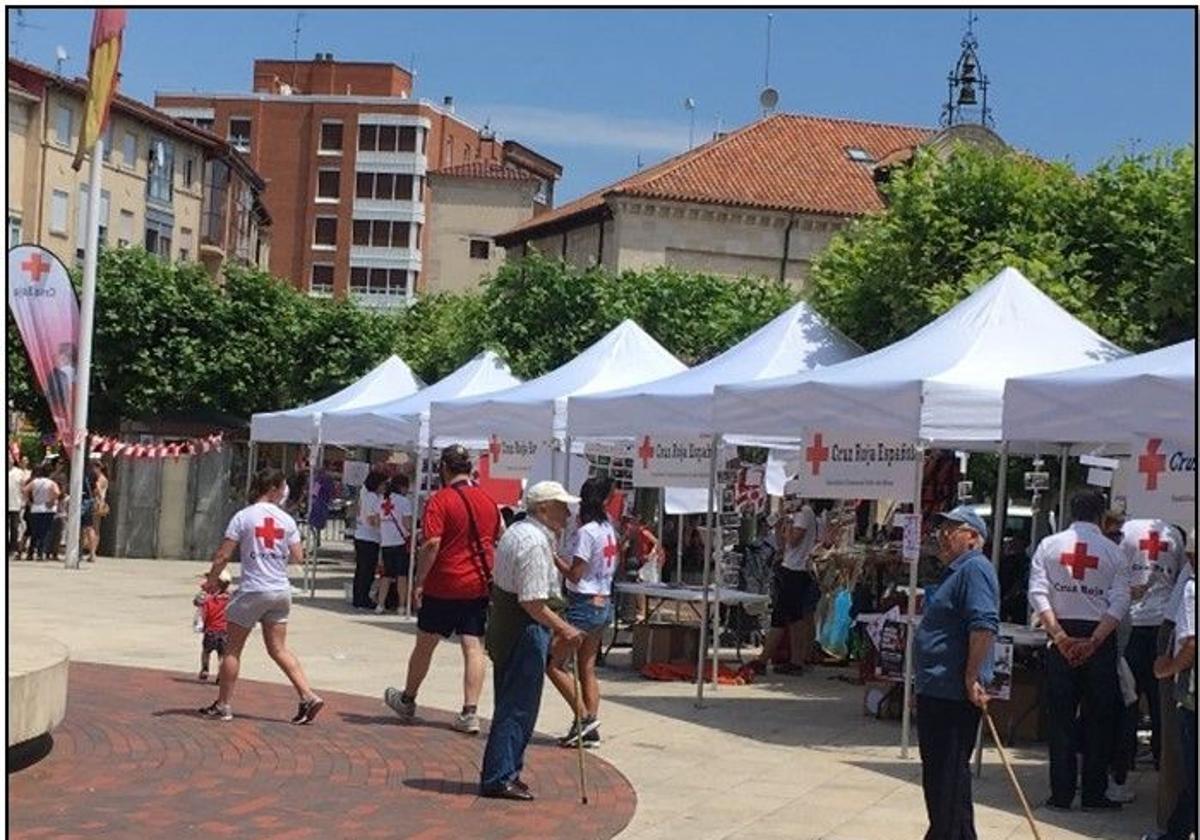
398 211
401 163
381 300
372 257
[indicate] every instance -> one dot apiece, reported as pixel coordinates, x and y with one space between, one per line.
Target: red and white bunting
106 445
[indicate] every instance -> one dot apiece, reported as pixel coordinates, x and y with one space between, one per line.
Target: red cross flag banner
672 461
1162 482
857 465
511 457
43 304
104 56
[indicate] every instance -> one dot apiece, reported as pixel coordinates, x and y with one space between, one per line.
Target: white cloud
532 124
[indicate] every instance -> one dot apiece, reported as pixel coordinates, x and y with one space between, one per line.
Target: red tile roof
488 169
785 162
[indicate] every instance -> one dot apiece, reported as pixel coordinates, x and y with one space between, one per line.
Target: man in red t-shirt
461 526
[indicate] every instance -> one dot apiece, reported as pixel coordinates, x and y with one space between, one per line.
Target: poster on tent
672 461
354 473
511 457
1163 481
856 464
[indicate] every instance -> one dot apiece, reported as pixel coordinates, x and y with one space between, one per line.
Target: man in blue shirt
953 649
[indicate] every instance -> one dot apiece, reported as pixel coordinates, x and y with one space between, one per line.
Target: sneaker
308 710
591 738
589 727
379 608
1104 804
204 676
468 723
1057 806
1154 835
1120 793
396 701
217 712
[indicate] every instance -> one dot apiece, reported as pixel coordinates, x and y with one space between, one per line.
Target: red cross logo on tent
646 451
1079 561
1152 462
35 267
494 448
387 507
817 454
1152 545
268 533
610 552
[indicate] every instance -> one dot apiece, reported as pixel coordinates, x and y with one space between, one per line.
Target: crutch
1011 775
579 732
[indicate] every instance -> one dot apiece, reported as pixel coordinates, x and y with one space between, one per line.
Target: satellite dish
769 98
60 52
689 104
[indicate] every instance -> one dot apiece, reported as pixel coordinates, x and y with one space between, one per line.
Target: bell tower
966 101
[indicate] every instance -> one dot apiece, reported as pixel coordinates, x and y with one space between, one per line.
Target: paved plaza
783 758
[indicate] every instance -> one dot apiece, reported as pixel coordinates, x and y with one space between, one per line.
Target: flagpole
83 374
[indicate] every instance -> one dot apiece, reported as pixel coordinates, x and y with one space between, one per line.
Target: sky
599 90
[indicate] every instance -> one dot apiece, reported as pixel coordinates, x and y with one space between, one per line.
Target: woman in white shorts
266 539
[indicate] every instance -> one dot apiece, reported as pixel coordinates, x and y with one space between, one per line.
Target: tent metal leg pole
1000 505
318 458
251 466
709 550
1064 455
678 551
910 632
567 466
412 534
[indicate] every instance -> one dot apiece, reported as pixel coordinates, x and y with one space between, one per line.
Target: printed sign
1000 688
354 473
511 457
892 640
1163 481
910 548
857 465
672 462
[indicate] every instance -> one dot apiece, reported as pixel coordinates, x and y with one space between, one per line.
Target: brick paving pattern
134 760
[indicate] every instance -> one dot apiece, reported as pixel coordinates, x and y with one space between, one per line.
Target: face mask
283 499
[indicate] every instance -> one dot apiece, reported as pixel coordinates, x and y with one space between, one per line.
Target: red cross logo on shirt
610 551
1079 561
1152 462
817 454
645 451
494 449
1152 545
387 507
35 267
268 533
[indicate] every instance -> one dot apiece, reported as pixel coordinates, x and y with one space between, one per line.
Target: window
185 244
408 139
358 279
329 184
124 229
63 117
399 234
322 280
239 133
331 137
160 184
480 249
859 155
203 122
189 171
404 187
383 285
108 140
362 232
14 231
383 186
81 220
58 212
158 238
542 196
367 137
387 138
129 150
381 233
364 185
325 235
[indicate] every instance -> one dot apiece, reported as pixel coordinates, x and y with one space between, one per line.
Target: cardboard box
1022 708
664 643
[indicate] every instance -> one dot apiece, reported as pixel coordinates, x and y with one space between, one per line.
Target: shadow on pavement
444 786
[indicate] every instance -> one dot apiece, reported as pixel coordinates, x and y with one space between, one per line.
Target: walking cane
579 732
1011 775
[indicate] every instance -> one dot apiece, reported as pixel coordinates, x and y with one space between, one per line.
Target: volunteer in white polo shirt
1155 552
1079 587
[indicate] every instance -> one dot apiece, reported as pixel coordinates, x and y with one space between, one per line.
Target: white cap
548 491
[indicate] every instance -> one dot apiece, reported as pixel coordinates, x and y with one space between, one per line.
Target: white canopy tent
797 340
390 380
537 409
406 420
1151 393
944 384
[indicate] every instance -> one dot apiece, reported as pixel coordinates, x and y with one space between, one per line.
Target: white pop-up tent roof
537 409
943 383
1152 394
406 420
797 340
388 381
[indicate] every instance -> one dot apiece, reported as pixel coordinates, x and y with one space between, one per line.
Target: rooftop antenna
19 27
296 47
769 97
689 105
60 57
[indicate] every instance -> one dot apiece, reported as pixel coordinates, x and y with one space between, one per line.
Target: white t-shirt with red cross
1081 574
595 544
264 535
1155 552
394 513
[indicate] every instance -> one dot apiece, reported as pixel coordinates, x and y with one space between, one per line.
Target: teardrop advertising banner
43 304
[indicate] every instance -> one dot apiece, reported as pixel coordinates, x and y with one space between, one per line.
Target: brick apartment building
346 153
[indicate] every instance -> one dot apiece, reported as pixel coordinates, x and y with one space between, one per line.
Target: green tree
1116 247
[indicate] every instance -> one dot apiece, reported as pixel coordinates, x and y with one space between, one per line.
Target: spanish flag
103 59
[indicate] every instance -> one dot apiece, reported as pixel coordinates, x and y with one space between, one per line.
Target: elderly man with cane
953 649
526 587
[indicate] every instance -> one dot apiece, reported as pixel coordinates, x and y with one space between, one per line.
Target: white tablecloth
690 593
